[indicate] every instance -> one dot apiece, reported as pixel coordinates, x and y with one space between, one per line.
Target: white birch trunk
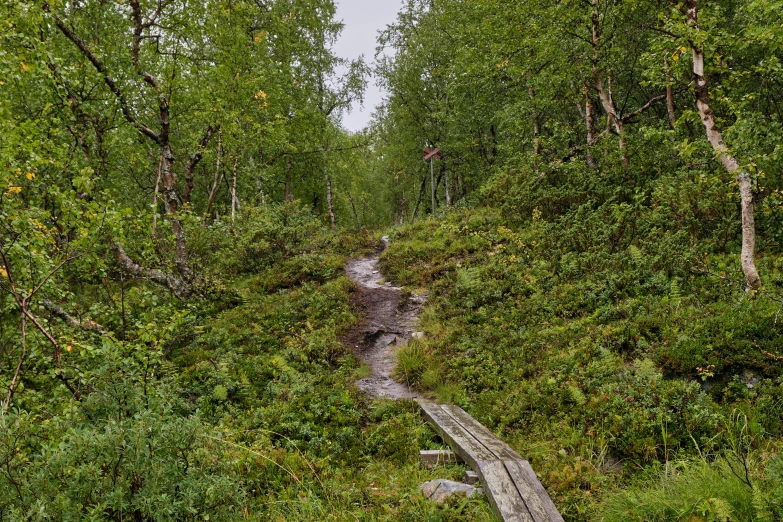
714 136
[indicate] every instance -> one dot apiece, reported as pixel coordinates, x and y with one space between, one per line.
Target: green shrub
686 490
412 363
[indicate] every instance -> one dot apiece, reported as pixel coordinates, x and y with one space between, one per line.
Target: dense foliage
593 308
178 199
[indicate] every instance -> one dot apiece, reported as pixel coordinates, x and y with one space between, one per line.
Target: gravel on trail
387 326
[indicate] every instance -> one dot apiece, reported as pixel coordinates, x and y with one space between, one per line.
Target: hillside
193 325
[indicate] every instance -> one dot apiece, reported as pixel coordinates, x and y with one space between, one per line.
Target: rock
441 489
418 335
750 379
385 239
611 465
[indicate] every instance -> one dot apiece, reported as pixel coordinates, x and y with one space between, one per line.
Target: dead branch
86 325
180 288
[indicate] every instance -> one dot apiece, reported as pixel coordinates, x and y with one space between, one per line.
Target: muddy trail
387 326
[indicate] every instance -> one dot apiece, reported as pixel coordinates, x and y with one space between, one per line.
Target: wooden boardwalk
509 482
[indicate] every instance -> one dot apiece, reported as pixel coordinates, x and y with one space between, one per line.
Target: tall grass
693 491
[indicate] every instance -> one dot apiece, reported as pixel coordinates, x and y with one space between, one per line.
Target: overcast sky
363 19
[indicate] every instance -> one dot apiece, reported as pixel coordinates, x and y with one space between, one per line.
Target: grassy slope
267 371
587 357
592 369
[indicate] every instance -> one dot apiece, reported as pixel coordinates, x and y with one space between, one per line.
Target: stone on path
441 489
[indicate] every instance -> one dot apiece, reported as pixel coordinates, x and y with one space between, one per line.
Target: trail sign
432 153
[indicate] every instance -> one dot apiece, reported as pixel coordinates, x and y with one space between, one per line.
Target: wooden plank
481 433
460 440
532 492
501 492
498 485
536 498
471 477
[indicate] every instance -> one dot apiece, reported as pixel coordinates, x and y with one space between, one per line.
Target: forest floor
389 322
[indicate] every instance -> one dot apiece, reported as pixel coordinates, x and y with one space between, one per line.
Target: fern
675 292
717 509
636 254
761 504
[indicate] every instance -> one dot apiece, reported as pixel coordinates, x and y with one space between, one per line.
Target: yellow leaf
13 190
3 272
30 176
24 67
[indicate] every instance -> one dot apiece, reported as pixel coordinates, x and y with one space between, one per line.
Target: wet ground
389 323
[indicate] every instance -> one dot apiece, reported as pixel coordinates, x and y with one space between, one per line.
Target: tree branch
101 68
193 160
71 321
180 288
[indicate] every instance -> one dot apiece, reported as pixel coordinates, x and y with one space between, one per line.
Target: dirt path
388 325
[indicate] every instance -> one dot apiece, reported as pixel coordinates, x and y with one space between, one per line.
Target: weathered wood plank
511 485
471 477
536 498
501 492
460 440
498 485
488 439
529 495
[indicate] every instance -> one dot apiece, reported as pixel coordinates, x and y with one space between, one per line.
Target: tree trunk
289 197
193 161
714 136
607 101
234 200
175 284
446 182
329 200
613 120
353 208
670 97
216 183
17 373
590 123
155 203
536 132
171 203
418 200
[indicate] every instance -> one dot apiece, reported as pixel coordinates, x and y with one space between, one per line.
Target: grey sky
363 19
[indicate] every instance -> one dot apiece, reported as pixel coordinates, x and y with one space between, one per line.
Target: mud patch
388 325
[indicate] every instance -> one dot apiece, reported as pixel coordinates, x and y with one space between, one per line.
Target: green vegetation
588 393
603 257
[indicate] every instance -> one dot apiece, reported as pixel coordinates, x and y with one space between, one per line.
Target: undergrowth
243 407
600 362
